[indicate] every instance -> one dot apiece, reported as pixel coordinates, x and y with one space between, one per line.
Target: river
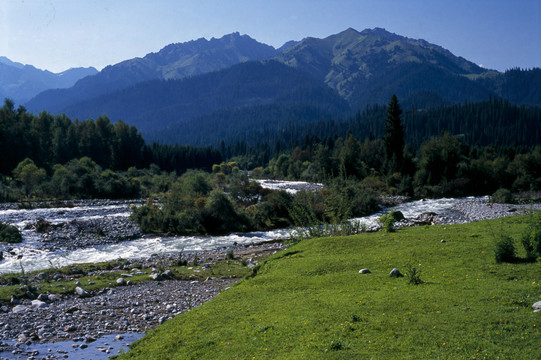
31 254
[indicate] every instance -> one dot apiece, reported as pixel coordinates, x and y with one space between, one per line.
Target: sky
60 34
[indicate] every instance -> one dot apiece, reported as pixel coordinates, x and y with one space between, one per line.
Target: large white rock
38 304
19 309
81 292
537 306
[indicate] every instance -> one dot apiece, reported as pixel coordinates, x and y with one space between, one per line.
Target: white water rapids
35 257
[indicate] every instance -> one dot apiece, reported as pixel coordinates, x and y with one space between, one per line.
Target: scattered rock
81 292
395 273
70 328
72 309
121 281
364 271
89 339
537 306
43 297
156 276
19 309
38 304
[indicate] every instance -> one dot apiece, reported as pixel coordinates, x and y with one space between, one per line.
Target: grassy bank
310 302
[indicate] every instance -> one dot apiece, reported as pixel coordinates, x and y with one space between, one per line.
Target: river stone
537 306
395 273
89 338
19 309
364 271
70 328
156 276
81 292
38 304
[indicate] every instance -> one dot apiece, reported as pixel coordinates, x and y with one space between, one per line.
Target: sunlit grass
310 302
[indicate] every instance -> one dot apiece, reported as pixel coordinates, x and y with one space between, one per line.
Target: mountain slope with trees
367 67
159 103
175 61
319 79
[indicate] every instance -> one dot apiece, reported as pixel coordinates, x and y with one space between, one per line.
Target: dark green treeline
49 140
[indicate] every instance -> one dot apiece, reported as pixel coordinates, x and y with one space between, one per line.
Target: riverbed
101 231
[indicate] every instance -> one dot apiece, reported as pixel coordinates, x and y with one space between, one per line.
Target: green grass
310 302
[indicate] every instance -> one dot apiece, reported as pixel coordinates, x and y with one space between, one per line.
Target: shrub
413 274
337 345
505 249
531 238
502 196
388 220
10 234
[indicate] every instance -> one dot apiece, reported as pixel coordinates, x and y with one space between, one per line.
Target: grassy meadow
311 302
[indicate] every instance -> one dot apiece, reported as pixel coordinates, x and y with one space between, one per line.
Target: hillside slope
22 82
174 61
159 103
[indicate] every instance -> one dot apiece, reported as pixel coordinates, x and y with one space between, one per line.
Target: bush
414 274
505 249
388 220
10 234
502 196
531 238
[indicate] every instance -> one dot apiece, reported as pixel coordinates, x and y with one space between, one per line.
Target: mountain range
23 82
184 83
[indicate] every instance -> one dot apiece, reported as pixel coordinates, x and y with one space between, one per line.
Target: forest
52 157
472 149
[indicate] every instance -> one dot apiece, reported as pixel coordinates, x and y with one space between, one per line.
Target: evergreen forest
484 148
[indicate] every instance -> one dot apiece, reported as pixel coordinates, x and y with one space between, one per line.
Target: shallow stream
30 254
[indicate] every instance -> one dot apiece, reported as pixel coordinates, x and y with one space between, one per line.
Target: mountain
157 104
174 61
368 67
236 84
22 82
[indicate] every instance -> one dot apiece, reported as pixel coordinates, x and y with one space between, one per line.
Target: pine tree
394 136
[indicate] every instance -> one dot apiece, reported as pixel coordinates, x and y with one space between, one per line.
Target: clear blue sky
59 34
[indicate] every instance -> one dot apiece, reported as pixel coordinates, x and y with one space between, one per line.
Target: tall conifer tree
394 136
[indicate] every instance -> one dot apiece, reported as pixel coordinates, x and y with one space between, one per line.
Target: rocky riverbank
75 234
82 317
82 320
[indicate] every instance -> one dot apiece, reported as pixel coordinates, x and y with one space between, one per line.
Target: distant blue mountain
238 83
175 61
22 82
